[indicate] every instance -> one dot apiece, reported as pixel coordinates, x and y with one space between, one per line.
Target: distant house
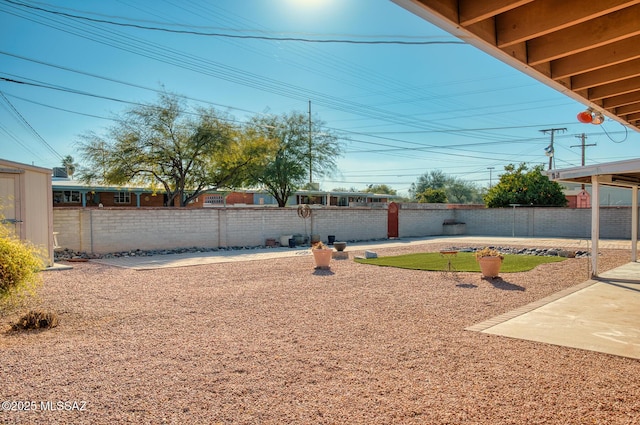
341 199
71 193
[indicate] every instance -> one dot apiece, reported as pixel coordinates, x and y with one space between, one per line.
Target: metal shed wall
29 201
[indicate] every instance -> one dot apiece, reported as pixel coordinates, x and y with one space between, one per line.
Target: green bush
20 264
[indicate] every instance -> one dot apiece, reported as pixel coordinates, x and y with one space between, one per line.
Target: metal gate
392 220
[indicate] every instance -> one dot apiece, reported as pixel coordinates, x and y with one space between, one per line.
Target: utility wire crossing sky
404 97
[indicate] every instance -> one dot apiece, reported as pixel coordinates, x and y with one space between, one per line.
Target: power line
33 131
194 63
238 36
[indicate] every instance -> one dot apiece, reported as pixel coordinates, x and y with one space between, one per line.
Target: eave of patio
622 174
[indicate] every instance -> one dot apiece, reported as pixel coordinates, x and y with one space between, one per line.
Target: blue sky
400 110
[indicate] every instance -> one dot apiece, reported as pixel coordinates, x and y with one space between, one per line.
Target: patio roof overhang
621 174
589 51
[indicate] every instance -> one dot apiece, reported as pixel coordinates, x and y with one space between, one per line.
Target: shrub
488 252
20 264
36 319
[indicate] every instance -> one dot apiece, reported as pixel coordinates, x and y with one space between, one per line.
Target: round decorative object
339 246
304 211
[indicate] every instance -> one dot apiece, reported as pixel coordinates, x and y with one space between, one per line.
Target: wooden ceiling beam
589 50
474 11
606 75
622 100
614 89
628 109
546 16
600 57
446 8
597 32
633 117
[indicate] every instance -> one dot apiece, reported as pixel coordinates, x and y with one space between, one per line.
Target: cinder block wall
361 223
415 222
102 230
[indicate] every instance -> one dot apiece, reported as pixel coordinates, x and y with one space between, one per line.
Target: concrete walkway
600 315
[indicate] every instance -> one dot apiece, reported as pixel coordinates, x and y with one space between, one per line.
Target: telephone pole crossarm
549 151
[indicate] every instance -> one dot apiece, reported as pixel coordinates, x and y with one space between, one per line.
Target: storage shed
26 204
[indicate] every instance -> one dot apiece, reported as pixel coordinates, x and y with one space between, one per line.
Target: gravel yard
276 342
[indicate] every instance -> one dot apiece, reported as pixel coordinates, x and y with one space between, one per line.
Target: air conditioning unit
60 172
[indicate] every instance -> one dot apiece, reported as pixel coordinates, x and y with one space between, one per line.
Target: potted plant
321 255
490 261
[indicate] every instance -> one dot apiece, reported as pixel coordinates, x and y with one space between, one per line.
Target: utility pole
583 146
549 149
310 148
490 175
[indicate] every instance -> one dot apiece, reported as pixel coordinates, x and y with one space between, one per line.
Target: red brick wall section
240 198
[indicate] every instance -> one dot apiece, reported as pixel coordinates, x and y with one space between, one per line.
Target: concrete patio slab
599 315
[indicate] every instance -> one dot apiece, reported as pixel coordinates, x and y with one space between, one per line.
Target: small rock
370 254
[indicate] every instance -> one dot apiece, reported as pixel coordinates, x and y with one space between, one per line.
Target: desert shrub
36 319
20 264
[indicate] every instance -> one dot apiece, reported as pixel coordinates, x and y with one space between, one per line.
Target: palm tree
69 165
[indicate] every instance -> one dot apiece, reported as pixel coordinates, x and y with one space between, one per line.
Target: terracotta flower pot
490 266
322 257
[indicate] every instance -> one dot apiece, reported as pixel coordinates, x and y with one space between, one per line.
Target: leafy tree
461 191
293 153
163 144
435 179
69 165
455 189
432 196
523 186
380 188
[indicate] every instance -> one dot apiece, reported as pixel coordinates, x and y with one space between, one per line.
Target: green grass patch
462 262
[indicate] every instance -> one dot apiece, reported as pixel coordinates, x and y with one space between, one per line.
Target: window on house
67 197
122 198
213 199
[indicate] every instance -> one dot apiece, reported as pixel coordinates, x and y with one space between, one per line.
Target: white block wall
102 230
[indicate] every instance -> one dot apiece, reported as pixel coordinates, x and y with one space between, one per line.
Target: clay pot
322 257
339 246
490 266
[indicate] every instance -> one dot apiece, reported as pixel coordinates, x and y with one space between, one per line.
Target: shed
26 204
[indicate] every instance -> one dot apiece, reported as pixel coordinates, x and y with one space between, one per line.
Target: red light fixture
590 117
585 117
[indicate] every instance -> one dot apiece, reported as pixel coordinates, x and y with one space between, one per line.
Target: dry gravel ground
275 342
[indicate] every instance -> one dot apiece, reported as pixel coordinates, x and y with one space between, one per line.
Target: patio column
634 223
595 223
